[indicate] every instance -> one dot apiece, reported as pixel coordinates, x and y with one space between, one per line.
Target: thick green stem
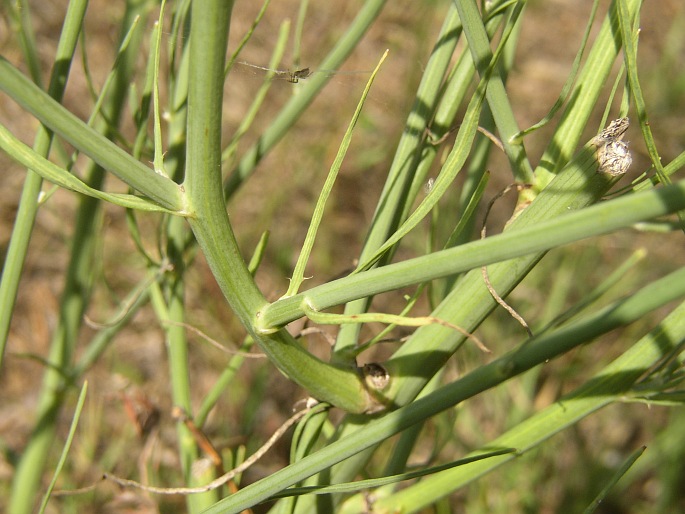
341 386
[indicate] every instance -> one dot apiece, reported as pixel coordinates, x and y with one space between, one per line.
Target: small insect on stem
614 132
296 75
290 76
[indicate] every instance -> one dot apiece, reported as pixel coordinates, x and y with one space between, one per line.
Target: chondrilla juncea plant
455 353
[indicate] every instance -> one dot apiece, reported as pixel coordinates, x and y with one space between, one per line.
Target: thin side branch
484 269
218 482
216 344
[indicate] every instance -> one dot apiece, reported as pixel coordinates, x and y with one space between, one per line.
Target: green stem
591 82
341 386
605 388
89 141
28 204
619 213
179 374
479 45
72 306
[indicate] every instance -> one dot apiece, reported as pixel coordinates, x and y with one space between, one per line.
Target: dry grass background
280 198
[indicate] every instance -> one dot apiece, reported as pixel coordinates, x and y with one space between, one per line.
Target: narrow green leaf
372 483
630 53
614 278
30 195
297 104
298 273
454 164
67 445
259 97
49 171
566 88
248 35
155 51
586 92
393 205
614 480
498 100
455 160
469 211
258 254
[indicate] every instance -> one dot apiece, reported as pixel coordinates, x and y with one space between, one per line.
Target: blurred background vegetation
131 380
